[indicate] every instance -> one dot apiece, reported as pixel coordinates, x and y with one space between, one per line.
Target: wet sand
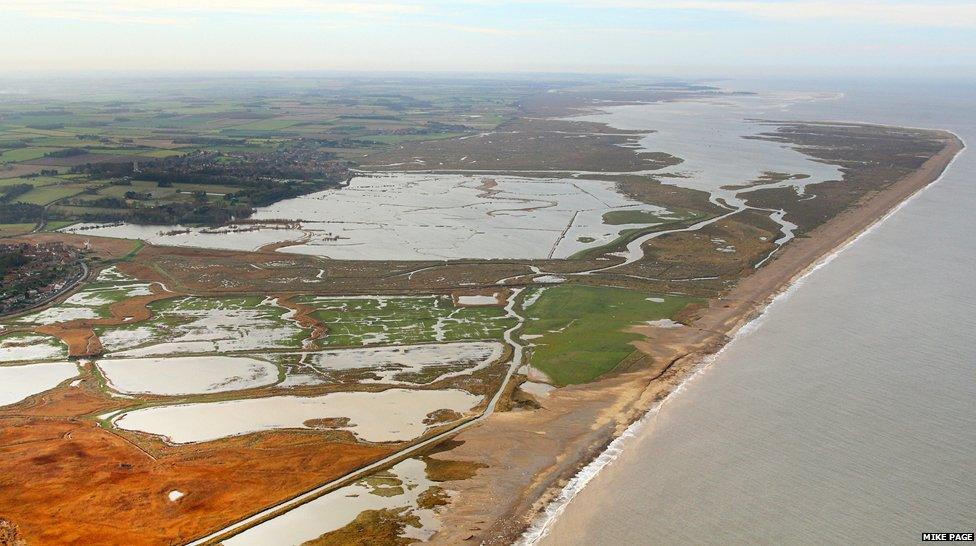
530 455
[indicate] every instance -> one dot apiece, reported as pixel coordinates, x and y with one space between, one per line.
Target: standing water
848 412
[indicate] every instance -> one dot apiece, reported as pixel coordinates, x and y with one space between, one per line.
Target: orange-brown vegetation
78 335
10 534
65 480
303 316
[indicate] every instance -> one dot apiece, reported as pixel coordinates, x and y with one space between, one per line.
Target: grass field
57 224
24 154
265 125
620 217
37 181
138 186
163 153
50 194
582 328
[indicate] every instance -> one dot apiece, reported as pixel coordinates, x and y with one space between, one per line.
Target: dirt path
79 335
303 316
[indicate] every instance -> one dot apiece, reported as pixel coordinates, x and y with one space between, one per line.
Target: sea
846 413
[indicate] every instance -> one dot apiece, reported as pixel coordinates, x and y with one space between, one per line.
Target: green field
265 125
621 217
138 186
163 153
24 154
49 194
37 181
582 328
58 224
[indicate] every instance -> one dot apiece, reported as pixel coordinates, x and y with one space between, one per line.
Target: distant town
37 273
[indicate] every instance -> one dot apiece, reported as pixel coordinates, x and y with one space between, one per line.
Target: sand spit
497 505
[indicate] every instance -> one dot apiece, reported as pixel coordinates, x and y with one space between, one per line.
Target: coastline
531 456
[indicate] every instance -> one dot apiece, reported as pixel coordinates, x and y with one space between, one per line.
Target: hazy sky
792 36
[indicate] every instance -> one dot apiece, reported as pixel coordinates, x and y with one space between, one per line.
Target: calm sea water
847 414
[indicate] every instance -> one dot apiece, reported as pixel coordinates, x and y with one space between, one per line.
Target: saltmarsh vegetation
640 216
17 346
90 303
206 324
581 329
404 320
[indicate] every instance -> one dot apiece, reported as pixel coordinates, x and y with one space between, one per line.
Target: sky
790 37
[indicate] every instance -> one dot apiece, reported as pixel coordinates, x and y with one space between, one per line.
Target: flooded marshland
393 415
186 375
404 488
17 382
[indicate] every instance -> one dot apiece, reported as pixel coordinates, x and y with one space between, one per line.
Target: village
33 274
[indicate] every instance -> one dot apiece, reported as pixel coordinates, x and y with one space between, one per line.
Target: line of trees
13 191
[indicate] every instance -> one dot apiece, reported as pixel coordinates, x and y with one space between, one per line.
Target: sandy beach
530 455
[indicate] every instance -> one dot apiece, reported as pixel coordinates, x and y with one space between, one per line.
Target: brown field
14 170
214 272
88 485
694 254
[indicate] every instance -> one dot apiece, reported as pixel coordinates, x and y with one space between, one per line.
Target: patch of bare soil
304 317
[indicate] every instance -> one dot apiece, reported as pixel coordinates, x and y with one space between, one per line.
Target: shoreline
615 405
